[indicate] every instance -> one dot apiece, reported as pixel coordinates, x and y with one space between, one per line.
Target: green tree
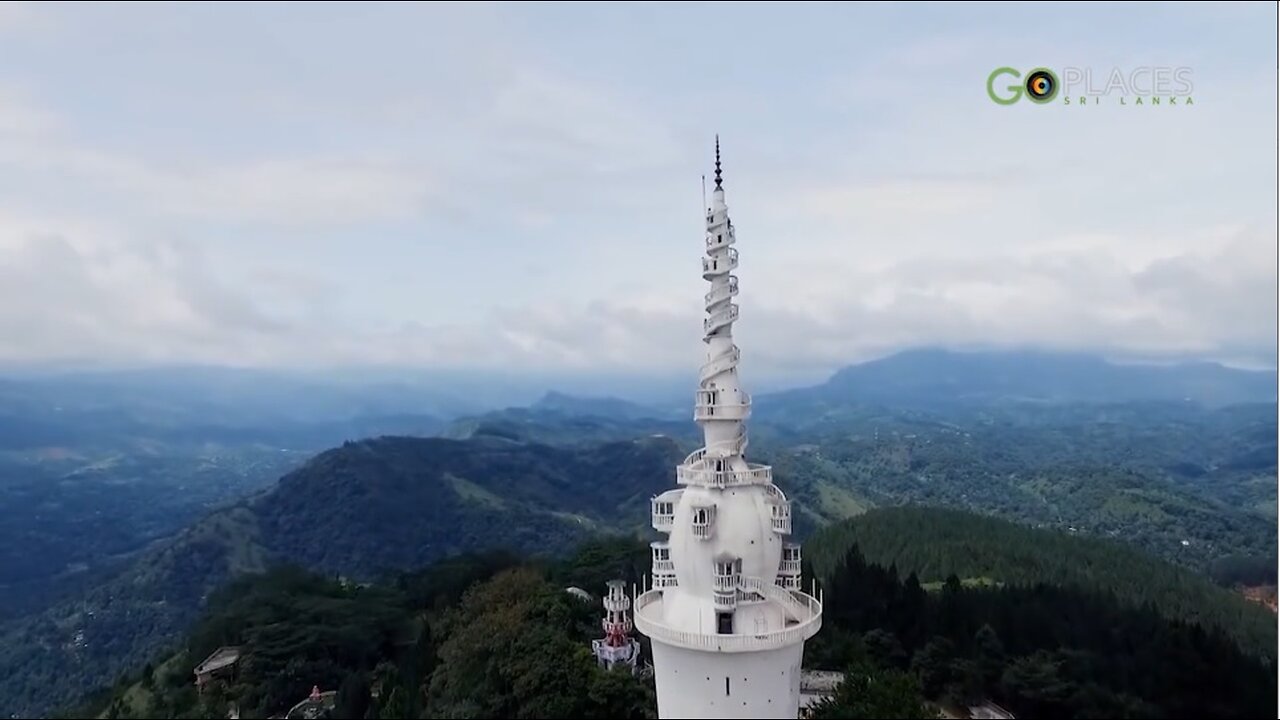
353 697
397 708
885 649
871 692
932 664
989 655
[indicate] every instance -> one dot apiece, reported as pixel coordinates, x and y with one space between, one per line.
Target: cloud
464 192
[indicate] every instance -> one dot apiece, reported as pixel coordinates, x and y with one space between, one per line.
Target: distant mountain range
936 377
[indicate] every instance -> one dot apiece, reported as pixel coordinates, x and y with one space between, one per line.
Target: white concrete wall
691 684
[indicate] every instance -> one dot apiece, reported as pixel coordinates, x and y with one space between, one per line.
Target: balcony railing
782 523
664 567
754 475
789 567
725 583
720 265
721 292
664 580
623 627
809 622
662 522
720 318
781 511
722 411
719 239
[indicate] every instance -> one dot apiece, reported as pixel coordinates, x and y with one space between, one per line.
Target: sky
518 188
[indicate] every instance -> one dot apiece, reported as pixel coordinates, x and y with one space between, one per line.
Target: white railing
617 604
720 318
702 531
755 475
722 411
789 567
789 582
662 522
724 583
623 627
664 580
720 239
782 521
737 446
790 601
725 601
665 567
719 364
662 509
720 265
801 631
721 292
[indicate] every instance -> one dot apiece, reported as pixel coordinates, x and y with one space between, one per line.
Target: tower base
698 684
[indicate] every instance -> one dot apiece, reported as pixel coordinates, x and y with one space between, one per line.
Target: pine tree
396 708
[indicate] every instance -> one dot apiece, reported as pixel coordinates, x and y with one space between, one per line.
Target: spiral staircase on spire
720 464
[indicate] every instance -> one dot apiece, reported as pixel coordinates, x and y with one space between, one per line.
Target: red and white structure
617 647
725 614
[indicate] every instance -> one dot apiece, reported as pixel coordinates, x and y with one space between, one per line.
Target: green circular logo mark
1042 85
1013 91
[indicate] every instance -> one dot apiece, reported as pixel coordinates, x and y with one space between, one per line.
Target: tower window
726 686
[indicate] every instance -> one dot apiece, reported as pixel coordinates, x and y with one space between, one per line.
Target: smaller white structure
617 647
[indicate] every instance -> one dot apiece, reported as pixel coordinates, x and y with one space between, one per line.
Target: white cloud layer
485 197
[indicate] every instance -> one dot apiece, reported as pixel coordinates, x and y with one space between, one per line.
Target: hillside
471 636
935 543
497 636
360 510
1175 480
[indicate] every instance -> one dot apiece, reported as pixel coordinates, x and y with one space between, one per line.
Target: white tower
726 615
617 647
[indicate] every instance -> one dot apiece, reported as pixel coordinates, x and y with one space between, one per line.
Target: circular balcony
694 475
807 610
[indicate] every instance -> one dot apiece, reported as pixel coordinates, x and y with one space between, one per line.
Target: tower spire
718 162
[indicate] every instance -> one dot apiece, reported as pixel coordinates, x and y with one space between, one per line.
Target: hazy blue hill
937 377
367 507
934 543
558 426
606 407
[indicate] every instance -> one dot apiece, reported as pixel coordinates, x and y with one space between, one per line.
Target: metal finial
718 161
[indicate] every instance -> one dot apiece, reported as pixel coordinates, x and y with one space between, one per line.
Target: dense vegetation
1039 650
362 510
472 636
935 543
1182 482
493 635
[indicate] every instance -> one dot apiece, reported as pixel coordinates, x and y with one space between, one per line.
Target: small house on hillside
221 664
